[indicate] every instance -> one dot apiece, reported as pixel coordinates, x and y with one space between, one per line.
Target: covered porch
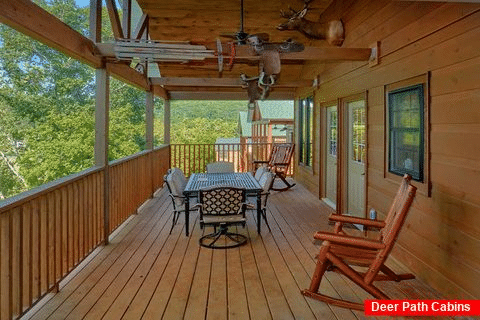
145 272
72 248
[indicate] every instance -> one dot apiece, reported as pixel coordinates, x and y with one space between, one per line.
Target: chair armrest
349 240
260 161
198 205
281 163
363 221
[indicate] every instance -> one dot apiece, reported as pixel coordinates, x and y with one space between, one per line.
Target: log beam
239 95
30 19
128 75
220 82
245 54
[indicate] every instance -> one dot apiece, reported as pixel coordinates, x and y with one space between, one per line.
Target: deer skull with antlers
331 31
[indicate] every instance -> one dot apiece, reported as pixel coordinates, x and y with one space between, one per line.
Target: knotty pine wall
440 241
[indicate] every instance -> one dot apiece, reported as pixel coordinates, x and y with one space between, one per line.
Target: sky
82 3
86 3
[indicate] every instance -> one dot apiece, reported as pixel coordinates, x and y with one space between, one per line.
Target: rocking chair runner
279 162
339 251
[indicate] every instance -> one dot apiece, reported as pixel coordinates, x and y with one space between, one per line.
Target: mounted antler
331 31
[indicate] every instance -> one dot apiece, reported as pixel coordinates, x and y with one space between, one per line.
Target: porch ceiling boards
202 22
145 272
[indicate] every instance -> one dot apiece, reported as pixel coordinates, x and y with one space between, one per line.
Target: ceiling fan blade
229 35
262 36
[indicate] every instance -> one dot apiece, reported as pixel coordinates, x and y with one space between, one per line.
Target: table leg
259 211
187 214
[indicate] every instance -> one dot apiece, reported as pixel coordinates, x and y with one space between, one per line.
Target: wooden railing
133 180
46 232
194 157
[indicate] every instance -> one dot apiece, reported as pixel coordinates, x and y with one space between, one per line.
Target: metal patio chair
222 207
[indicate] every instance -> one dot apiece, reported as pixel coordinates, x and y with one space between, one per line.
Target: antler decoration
331 31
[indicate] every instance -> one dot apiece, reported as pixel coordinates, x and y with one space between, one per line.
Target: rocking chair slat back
339 251
279 162
393 224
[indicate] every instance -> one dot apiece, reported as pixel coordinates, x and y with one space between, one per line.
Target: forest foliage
47 102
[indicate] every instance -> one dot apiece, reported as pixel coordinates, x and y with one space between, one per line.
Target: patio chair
279 162
260 171
176 182
220 167
340 251
222 207
266 182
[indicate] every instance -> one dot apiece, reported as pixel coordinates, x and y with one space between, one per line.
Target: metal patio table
199 181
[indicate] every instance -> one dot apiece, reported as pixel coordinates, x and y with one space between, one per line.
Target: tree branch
10 166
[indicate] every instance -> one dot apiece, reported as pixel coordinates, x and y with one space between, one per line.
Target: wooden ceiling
202 22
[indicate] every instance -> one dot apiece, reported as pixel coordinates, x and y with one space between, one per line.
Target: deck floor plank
146 272
122 299
73 291
277 302
237 298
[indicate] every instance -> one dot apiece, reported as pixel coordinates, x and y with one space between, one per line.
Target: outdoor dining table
199 181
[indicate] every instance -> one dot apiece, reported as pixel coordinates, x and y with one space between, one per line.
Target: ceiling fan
241 37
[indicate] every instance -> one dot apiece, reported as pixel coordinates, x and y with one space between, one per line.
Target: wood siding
440 242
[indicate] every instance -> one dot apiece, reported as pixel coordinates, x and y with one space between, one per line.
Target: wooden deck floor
148 273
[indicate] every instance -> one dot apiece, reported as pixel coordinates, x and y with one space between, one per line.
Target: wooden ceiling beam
30 19
312 53
219 82
114 19
221 89
246 54
240 95
128 75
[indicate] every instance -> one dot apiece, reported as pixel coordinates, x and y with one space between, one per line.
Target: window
332 135
359 134
406 131
306 131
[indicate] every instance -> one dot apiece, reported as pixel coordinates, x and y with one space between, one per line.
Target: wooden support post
270 133
102 106
166 122
127 18
96 21
114 19
149 120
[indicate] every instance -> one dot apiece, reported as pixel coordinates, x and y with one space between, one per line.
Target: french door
331 134
355 157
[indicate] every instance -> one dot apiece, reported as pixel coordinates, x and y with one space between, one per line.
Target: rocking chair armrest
363 221
348 240
260 161
281 164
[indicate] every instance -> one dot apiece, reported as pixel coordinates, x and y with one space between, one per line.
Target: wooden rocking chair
339 251
279 162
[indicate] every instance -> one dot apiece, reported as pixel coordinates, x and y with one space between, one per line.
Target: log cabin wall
440 241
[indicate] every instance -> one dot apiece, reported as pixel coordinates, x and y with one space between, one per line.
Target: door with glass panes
331 156
356 155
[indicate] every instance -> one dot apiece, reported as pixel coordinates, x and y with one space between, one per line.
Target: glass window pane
406 132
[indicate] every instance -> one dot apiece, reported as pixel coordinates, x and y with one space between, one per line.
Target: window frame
305 130
423 184
394 130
